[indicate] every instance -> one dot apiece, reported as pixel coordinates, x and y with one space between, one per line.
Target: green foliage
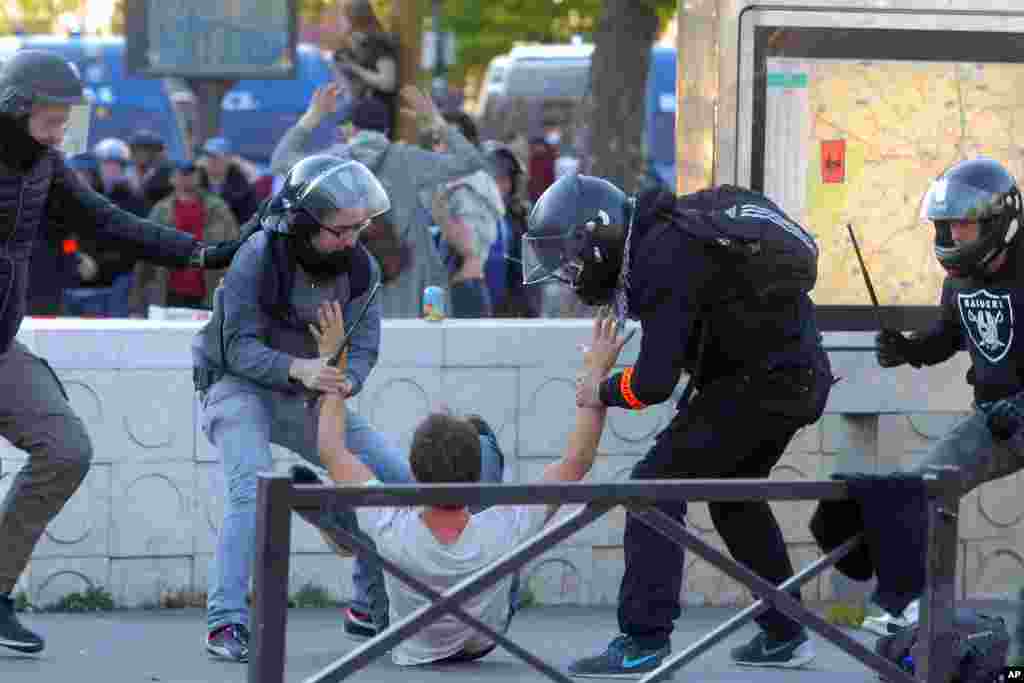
846 614
311 595
94 599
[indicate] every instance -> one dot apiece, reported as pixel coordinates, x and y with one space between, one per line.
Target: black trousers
736 428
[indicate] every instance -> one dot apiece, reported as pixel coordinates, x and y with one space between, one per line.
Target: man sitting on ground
443 545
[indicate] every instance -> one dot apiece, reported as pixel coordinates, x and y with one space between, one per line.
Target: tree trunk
618 72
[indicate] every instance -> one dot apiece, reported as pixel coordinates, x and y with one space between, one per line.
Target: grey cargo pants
36 417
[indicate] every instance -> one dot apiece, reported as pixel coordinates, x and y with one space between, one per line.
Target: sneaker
229 642
887 624
763 650
624 658
359 625
12 634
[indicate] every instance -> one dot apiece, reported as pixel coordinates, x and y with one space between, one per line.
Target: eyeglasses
354 230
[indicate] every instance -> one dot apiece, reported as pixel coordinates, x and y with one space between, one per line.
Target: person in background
104 269
221 174
368 59
503 269
405 171
468 211
152 166
205 216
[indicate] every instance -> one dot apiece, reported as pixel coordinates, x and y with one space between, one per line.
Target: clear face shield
348 187
552 257
76 133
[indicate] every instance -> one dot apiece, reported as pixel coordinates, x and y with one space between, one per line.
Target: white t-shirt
403 538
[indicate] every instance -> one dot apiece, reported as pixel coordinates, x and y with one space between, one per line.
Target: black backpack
982 644
773 254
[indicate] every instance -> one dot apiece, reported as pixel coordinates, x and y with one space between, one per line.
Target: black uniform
763 375
979 316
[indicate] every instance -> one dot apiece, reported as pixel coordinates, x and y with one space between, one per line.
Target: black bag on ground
980 650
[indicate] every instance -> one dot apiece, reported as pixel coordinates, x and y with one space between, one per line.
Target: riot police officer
257 364
704 274
38 193
975 207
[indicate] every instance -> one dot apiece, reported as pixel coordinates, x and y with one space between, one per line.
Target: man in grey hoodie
404 170
257 369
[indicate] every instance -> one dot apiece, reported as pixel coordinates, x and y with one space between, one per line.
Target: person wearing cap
194 210
39 196
154 169
405 171
258 370
221 174
105 270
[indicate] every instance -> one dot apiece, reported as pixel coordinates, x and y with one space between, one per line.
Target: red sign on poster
833 161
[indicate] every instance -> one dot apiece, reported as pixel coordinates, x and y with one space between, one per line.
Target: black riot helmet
978 190
37 76
576 234
320 184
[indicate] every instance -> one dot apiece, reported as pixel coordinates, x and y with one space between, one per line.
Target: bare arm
342 465
598 360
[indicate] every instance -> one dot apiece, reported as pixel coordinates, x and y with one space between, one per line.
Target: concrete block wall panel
147 516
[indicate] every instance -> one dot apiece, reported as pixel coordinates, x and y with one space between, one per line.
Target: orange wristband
627 390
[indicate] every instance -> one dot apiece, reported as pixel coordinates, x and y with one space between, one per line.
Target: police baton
867 278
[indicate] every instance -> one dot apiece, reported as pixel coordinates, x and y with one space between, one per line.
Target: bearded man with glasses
257 366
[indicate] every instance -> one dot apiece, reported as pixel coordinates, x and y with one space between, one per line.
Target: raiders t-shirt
980 316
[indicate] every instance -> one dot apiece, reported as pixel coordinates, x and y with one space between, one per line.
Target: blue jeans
101 302
241 420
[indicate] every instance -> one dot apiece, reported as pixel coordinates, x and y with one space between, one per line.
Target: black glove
894 349
304 475
1006 417
218 255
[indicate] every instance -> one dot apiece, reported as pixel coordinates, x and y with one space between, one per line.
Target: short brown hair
445 450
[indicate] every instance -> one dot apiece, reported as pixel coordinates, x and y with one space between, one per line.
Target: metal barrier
278 496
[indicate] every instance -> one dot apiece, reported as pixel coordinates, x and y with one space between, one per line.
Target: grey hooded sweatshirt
405 171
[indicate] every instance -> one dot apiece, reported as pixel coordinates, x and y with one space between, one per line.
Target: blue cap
185 166
146 138
217 147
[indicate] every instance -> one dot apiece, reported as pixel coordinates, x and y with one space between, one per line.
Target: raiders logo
988 319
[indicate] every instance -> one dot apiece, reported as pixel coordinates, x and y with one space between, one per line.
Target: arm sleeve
365 344
72 202
676 278
289 150
430 168
945 338
247 325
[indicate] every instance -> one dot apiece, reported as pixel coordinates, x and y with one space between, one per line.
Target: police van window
530 77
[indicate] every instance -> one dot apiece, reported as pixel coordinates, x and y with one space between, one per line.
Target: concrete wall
146 518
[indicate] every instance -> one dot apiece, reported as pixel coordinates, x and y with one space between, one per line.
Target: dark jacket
237 192
111 259
156 185
681 287
37 191
980 315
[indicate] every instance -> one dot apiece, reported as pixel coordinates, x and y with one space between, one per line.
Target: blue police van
121 103
256 113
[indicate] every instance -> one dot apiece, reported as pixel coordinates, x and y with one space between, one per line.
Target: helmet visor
551 257
76 134
949 200
348 187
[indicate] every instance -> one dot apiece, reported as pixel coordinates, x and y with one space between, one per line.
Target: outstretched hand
330 332
599 358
